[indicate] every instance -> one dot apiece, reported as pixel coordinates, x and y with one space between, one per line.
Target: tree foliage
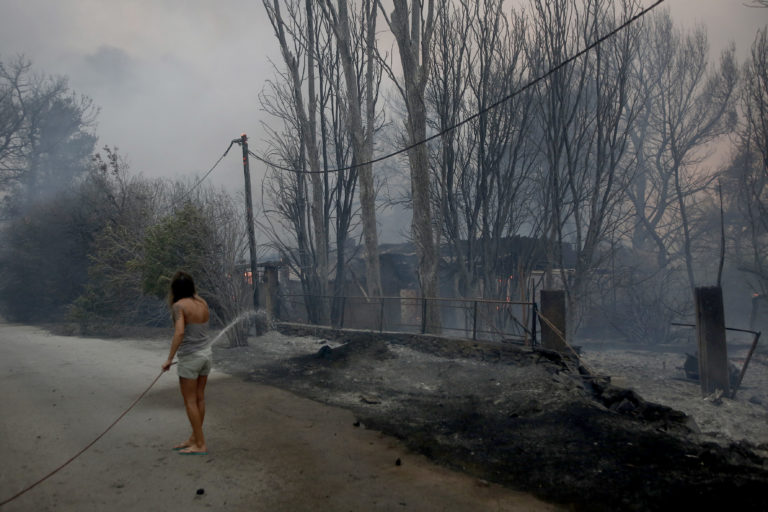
128 205
176 242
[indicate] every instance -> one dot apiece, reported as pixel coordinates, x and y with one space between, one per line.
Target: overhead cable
207 173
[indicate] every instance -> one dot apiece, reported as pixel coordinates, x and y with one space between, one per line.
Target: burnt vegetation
533 420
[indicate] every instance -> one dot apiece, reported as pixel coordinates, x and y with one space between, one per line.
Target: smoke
176 81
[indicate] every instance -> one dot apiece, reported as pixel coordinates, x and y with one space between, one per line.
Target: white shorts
194 365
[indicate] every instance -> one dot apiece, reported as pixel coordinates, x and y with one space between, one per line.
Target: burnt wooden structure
553 312
710 334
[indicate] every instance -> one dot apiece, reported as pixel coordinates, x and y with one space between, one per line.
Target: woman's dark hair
182 286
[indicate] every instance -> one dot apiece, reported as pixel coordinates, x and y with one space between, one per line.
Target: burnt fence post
553 310
710 334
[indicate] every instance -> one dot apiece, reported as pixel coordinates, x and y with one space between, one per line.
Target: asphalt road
269 450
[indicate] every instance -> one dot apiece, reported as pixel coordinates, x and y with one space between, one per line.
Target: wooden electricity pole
243 141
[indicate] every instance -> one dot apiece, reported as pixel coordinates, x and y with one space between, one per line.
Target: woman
190 344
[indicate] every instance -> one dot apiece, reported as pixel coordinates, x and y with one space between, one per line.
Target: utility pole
243 141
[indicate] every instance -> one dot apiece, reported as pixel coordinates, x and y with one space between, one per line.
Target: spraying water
261 316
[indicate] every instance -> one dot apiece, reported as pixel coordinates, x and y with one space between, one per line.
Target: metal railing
753 346
472 318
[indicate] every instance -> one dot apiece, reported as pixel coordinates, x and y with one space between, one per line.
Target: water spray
261 315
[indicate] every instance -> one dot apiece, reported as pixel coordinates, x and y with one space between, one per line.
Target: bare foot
194 449
185 444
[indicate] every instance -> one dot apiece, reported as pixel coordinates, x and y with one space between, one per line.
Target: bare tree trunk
362 139
413 35
367 189
306 118
309 131
446 93
552 32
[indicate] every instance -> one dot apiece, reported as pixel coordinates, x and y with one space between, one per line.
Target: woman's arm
178 334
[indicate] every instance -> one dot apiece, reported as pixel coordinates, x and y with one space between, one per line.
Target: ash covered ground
643 439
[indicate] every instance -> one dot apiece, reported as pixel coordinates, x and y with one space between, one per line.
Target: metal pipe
746 362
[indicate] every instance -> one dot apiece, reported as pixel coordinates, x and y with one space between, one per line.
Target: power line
209 172
474 116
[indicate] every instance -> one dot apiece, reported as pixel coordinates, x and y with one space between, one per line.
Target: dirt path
270 450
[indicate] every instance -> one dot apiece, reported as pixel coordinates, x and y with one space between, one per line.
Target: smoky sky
177 80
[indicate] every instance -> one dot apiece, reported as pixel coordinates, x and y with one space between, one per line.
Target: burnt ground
529 419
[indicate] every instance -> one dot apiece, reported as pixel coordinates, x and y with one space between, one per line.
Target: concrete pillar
410 309
553 309
710 332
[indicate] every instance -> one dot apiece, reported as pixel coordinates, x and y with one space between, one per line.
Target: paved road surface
269 450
